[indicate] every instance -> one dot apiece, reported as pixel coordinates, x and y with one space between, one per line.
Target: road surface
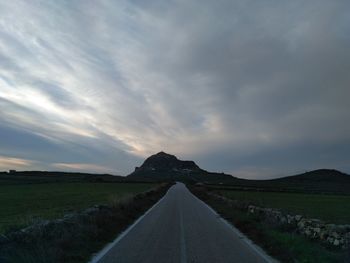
181 229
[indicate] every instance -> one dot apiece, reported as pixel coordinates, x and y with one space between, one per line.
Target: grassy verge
331 208
21 205
75 239
280 243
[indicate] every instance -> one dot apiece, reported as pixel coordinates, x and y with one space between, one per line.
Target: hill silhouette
316 181
320 175
24 177
166 167
164 161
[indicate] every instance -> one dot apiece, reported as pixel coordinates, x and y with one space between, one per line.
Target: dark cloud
258 88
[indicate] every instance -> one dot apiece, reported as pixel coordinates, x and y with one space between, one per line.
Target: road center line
182 237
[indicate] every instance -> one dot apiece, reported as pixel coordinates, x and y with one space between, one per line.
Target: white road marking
243 237
108 247
182 238
183 251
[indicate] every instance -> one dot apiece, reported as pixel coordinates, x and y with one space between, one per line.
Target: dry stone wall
331 234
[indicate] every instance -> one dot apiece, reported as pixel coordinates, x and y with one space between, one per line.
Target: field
330 208
21 204
281 243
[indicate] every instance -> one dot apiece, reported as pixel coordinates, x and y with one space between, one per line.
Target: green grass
279 242
303 250
77 239
331 208
22 204
285 246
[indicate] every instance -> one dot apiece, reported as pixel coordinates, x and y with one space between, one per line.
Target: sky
257 89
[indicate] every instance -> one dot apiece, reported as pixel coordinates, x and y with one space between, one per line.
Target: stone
317 230
330 240
91 210
307 232
251 209
301 224
323 235
335 235
283 220
69 216
330 226
298 217
342 229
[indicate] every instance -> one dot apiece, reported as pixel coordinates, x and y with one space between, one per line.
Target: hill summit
164 161
163 166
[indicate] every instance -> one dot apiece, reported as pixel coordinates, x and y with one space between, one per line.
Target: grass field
22 204
281 243
331 208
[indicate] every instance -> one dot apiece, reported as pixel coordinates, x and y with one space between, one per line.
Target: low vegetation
74 238
332 208
23 204
281 243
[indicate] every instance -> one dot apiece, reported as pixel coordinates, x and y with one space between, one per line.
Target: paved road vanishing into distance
180 228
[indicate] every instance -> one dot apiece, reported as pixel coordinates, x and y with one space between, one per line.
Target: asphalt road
181 229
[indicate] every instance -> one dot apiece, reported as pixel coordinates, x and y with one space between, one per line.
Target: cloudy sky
258 89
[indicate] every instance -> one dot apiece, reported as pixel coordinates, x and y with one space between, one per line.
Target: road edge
95 258
242 236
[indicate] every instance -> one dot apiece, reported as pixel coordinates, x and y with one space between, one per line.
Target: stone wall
331 234
334 235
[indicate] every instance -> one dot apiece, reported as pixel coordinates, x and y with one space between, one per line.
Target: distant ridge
163 167
166 167
320 175
15 177
317 181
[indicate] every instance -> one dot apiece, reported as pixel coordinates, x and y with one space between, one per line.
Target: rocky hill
163 166
164 161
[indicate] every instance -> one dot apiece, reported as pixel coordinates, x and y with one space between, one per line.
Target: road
180 228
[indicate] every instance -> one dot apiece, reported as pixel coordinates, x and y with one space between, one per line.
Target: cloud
231 84
91 168
7 163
